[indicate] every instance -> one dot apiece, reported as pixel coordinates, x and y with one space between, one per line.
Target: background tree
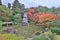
57 10
16 7
9 5
17 18
22 6
41 9
0 2
16 4
53 10
4 12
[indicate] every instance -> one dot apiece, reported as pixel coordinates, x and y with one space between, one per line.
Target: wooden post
7 24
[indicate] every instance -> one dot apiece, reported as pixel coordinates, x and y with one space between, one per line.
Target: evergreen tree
16 4
16 7
22 6
53 10
9 5
0 2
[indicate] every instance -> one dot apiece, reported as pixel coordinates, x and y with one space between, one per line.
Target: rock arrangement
10 30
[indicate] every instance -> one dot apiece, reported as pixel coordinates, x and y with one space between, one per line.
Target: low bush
55 30
57 37
11 37
41 37
37 33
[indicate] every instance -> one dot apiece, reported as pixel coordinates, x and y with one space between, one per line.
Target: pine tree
0 2
16 7
53 10
22 6
16 4
9 5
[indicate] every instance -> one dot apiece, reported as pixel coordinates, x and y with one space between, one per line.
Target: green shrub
56 37
41 37
55 23
36 38
38 33
55 30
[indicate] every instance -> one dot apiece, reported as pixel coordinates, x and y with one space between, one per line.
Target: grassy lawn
25 30
31 30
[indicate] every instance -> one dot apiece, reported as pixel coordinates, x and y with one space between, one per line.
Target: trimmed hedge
55 30
41 37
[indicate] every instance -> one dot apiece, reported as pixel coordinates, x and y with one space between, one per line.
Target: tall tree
9 5
41 9
16 7
23 6
5 12
0 2
16 4
53 10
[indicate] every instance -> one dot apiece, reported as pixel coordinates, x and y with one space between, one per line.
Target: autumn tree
30 13
44 18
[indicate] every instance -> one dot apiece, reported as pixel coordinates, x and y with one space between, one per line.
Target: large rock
10 30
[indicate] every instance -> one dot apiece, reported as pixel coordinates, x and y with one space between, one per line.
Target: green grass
31 30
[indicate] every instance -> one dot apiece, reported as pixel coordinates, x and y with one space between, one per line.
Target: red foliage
41 17
30 13
32 10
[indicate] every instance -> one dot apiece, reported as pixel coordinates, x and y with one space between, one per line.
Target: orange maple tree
41 17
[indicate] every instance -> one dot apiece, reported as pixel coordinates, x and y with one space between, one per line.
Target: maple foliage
42 17
32 10
39 16
30 13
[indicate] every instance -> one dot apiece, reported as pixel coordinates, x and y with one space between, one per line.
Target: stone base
24 24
